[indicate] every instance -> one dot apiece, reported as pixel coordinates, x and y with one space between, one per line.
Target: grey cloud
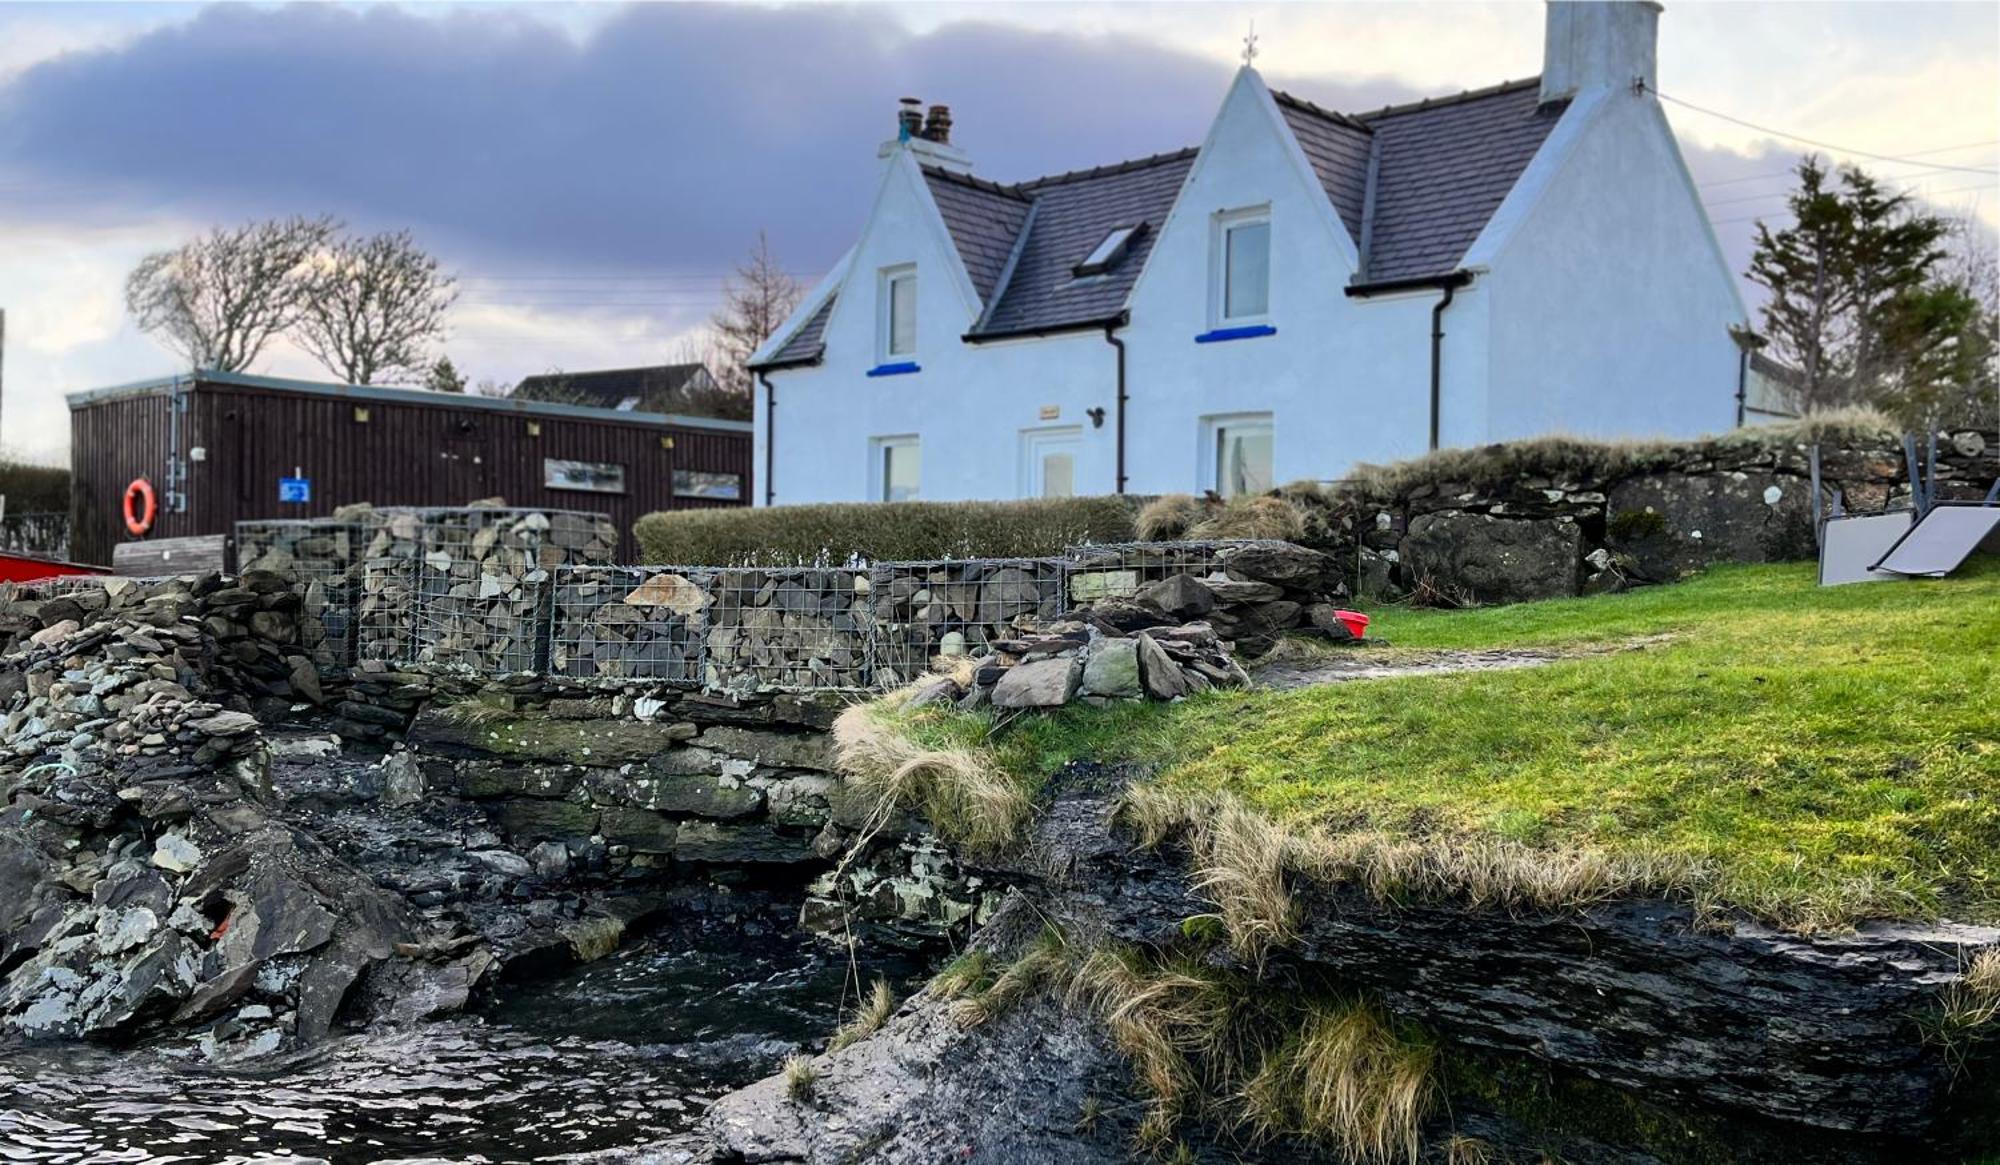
664 140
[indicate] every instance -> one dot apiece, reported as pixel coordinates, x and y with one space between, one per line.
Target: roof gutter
1449 283
1112 321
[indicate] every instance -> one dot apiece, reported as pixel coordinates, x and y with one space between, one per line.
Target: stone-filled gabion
385 623
789 627
1119 570
923 610
322 558
484 582
630 622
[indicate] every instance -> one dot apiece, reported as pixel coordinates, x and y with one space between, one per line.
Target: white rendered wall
969 403
1610 301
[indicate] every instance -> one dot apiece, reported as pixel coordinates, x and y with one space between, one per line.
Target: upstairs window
899 314
1107 253
1243 266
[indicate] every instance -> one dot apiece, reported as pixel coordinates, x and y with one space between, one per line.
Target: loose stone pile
143 882
321 561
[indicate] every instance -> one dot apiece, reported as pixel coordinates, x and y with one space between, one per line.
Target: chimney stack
929 138
937 127
909 119
1599 44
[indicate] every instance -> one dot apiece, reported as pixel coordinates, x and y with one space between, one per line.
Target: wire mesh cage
788 627
321 558
385 617
1120 570
485 583
923 610
631 623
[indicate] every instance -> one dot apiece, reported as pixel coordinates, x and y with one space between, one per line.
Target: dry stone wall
1588 520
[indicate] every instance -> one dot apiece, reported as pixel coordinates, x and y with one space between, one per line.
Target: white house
1303 291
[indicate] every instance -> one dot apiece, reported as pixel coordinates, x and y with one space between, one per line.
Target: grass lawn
1822 755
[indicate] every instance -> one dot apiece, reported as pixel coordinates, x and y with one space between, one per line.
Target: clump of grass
867 1018
1460 1149
1974 1001
969 974
1347 1078
1043 963
963 795
1169 517
801 1078
1258 516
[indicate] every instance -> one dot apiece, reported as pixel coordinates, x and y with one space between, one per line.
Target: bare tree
372 306
497 389
758 298
219 299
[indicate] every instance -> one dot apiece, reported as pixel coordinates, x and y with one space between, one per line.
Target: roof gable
984 221
1337 147
1443 167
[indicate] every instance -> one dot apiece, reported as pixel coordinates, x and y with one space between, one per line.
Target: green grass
1822 755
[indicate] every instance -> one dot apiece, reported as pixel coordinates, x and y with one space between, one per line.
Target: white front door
1049 460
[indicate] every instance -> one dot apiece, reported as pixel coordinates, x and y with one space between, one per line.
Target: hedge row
841 531
34 488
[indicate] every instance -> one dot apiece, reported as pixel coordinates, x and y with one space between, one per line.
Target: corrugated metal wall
413 454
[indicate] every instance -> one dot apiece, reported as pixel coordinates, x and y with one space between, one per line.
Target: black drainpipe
1449 284
770 435
1111 338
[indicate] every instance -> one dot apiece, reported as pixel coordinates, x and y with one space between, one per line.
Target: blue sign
295 489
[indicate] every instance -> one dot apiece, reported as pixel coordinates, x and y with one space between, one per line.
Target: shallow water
615 1054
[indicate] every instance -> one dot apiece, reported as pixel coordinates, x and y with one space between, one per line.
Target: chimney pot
909 119
1599 44
937 127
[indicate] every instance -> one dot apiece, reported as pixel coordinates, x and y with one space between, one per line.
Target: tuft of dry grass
1171 1022
801 1078
1974 1001
1242 859
969 974
1260 516
1347 1078
1460 1149
1169 517
1044 963
958 790
472 713
867 1018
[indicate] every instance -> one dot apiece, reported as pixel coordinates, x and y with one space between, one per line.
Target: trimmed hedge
905 531
34 488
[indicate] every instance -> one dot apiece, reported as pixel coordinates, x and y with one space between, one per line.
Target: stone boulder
1669 525
1493 560
1043 683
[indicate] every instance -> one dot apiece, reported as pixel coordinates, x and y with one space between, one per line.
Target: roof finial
1250 45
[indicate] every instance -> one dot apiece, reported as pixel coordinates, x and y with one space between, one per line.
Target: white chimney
1599 44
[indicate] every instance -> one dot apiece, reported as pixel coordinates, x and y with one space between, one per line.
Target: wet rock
1493 560
1044 683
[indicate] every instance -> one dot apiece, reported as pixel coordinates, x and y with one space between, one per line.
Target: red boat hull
22 568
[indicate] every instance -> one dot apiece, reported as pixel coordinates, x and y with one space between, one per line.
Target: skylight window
1108 252
628 404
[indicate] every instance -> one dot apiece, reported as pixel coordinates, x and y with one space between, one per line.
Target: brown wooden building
218 447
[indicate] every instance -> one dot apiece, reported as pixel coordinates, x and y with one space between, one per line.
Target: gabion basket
923 610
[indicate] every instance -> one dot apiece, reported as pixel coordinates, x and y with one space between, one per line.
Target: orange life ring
140 493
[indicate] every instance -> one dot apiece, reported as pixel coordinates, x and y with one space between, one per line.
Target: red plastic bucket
1355 622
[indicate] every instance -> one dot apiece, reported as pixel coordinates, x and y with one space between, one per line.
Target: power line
1788 173
1932 195
1799 138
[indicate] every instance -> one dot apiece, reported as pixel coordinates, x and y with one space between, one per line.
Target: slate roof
984 221
808 343
1337 146
1444 167
659 388
1071 215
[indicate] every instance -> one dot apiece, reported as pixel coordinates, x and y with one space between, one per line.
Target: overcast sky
593 171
